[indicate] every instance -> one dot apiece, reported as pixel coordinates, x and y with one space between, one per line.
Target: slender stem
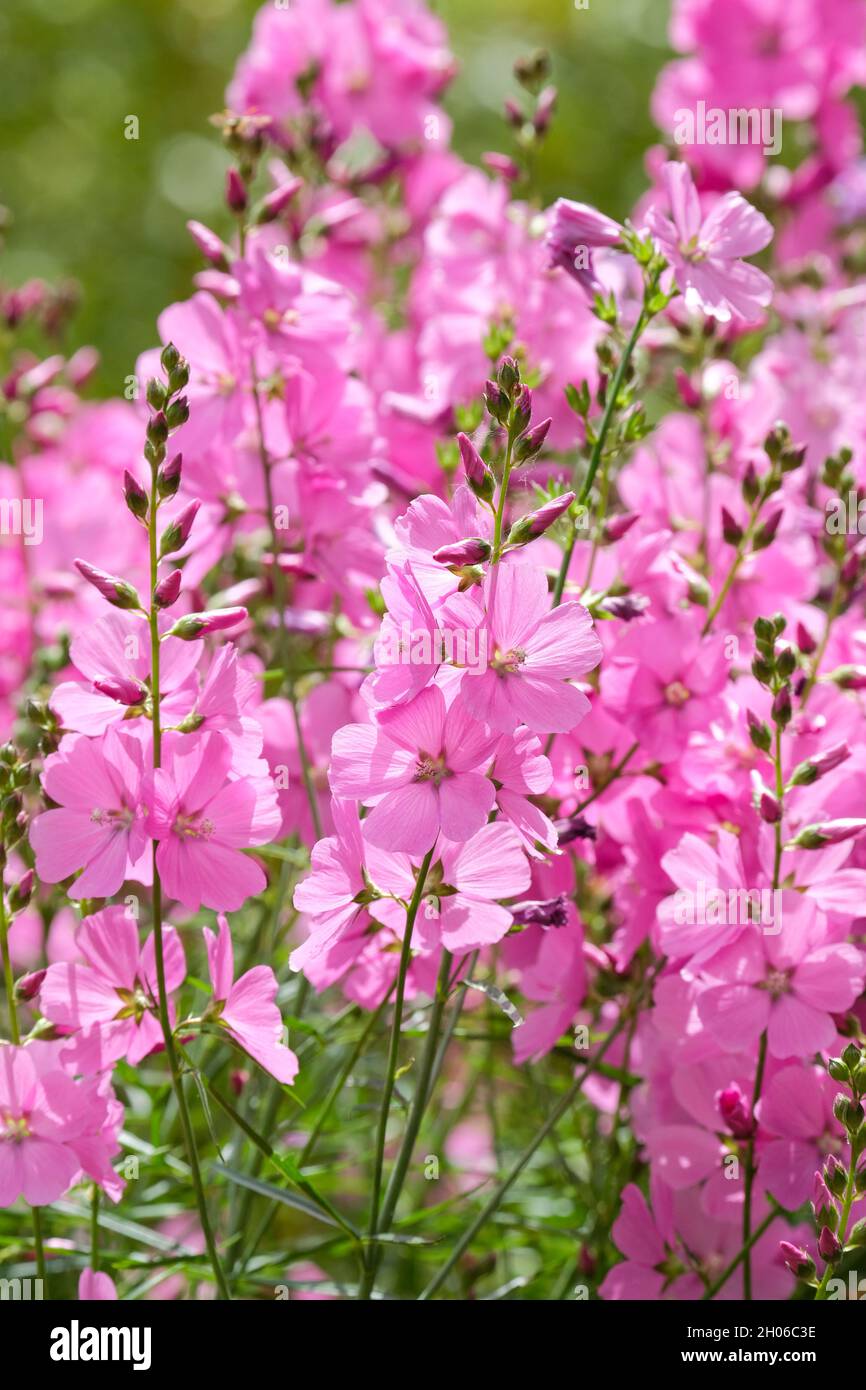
641 322
94 1228
742 1254
393 1053
159 951
340 1081
503 493
750 1172
832 614
8 976
306 770
740 553
38 1242
528 1153
419 1103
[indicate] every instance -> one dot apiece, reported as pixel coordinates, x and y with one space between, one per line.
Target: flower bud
177 413
781 709
735 1111
732 531
194 625
807 772
770 810
168 477
522 410
508 375
550 912
116 591
805 640
28 986
169 358
496 401
21 892
531 443
797 1260
574 827
472 551
825 1209
835 1176
123 689
766 532
167 590
236 193
210 245
277 201
155 394
849 677
176 534
831 832
534 524
759 732
829 1246
478 475
616 527
544 109
751 484
136 497
501 164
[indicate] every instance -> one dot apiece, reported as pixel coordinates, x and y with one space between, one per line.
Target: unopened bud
534 524
116 591
176 534
167 590
472 551
136 497
236 193
168 477
124 689
807 772
194 625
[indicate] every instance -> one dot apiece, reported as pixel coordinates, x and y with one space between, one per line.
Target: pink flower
666 681
52 1129
203 817
789 984
532 653
247 1007
96 1287
558 981
706 254
116 650
463 891
112 997
521 771
98 826
798 1129
419 765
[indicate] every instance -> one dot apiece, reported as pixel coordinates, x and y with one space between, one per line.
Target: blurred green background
110 212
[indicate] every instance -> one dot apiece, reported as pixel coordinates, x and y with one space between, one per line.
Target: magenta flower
462 907
789 984
532 653
204 817
96 1287
98 826
418 767
111 998
247 1008
53 1130
705 254
113 656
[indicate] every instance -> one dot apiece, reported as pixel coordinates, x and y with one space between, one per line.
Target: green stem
750 1172
8 976
419 1104
393 1053
742 1254
94 1228
641 322
742 550
832 614
341 1079
38 1242
493 1203
159 950
503 493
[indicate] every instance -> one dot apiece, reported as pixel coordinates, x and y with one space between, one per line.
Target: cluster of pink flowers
557 696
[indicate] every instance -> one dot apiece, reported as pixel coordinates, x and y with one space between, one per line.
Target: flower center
509 661
13 1128
430 769
192 828
777 983
112 819
676 694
